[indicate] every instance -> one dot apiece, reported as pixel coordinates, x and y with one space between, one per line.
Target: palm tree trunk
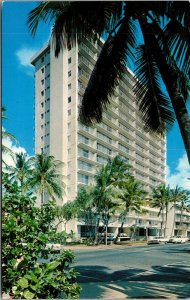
42 198
173 226
180 221
170 81
166 221
119 231
97 232
162 223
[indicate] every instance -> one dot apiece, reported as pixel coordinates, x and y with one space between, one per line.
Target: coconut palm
86 208
21 172
6 135
176 195
182 205
100 200
161 199
108 181
132 197
46 178
161 56
65 213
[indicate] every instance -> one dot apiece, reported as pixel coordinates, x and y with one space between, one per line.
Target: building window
42 138
69 60
69 125
104 149
42 150
69 86
69 99
84 153
42 59
42 104
42 116
69 74
42 81
101 159
69 151
83 139
69 138
42 126
83 178
69 47
69 112
84 166
42 93
42 70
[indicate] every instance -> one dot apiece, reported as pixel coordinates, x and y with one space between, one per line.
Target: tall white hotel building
59 86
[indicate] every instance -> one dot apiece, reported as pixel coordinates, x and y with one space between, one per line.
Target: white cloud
180 175
14 147
24 56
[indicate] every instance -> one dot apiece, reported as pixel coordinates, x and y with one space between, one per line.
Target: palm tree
108 181
176 195
6 135
65 213
182 204
21 172
161 56
161 199
46 178
85 207
132 196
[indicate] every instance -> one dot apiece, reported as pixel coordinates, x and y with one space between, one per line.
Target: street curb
101 247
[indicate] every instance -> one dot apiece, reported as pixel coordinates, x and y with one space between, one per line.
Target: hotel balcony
84 63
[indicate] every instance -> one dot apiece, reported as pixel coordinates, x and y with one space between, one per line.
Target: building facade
59 86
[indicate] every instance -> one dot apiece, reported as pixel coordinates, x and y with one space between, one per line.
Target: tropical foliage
161 199
182 205
66 212
6 135
46 178
98 203
21 171
132 196
161 55
28 272
28 269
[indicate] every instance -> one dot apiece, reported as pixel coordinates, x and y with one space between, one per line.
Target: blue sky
18 86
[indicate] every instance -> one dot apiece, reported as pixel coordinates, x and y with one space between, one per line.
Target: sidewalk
103 247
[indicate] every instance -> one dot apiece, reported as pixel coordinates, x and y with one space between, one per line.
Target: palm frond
182 80
74 20
44 12
84 19
107 72
179 10
178 40
153 104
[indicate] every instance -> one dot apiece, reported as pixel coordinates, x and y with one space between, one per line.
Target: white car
179 239
158 240
53 247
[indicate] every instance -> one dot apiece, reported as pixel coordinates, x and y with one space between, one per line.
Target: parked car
179 239
158 240
53 247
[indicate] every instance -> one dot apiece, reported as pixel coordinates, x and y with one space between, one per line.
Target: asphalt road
156 271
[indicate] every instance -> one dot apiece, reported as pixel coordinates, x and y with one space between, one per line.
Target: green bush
27 270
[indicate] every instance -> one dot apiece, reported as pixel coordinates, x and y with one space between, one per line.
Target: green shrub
27 270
